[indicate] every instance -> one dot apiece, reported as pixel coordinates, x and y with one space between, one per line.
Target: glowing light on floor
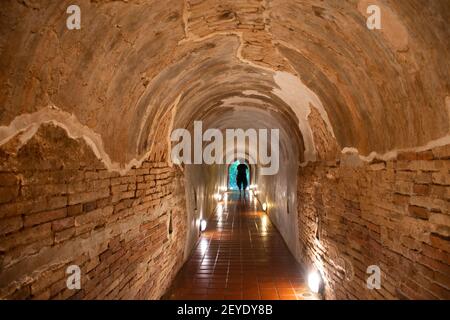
203 225
264 223
219 209
314 281
264 206
203 246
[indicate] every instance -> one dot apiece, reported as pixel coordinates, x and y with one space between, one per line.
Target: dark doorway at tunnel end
239 172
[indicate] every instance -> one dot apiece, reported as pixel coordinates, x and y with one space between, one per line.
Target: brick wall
59 206
393 214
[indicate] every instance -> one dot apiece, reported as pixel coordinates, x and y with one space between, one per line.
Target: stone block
442 178
421 189
75 209
8 179
418 212
8 194
62 224
88 196
57 202
442 152
440 219
10 225
42 217
64 235
26 236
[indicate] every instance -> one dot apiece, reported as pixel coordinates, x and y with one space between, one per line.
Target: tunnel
100 198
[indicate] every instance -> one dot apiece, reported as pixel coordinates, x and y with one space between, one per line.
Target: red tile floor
241 255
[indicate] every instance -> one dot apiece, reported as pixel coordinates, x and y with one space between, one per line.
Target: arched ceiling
132 63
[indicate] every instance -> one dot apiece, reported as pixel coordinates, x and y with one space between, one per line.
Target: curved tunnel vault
86 176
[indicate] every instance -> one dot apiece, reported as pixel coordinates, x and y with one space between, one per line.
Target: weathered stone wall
394 214
59 206
380 89
311 68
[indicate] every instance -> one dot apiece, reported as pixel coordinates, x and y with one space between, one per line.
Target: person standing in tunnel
241 176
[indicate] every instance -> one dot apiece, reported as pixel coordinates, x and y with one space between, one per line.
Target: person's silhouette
241 177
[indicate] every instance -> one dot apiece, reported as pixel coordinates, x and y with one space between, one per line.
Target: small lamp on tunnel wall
203 225
314 281
264 207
